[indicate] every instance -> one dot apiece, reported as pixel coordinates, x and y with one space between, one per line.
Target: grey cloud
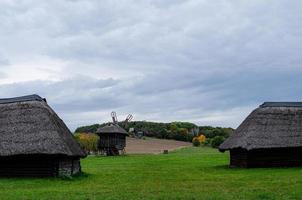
185 59
76 94
2 75
191 98
3 63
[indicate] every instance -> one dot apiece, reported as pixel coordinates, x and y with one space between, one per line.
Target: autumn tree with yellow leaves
88 141
198 140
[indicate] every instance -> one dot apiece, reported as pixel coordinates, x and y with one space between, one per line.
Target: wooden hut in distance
34 141
271 136
113 137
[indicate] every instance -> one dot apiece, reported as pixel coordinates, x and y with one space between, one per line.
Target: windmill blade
129 118
114 117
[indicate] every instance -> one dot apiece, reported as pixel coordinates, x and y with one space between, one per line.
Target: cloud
67 94
202 61
2 75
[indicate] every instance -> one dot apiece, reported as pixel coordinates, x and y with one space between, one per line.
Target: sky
202 61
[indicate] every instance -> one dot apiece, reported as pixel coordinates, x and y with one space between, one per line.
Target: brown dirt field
152 145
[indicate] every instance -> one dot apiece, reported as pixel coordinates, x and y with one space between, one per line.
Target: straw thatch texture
29 126
111 128
272 125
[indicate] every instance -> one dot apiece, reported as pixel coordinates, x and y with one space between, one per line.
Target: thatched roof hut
111 129
112 139
34 141
270 136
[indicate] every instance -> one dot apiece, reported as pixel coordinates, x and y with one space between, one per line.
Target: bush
216 141
199 140
88 141
196 142
208 142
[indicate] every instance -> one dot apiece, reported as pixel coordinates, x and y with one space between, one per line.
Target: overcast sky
203 61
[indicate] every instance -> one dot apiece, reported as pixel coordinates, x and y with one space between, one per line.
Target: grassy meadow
189 173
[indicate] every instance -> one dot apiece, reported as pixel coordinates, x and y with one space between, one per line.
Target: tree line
183 131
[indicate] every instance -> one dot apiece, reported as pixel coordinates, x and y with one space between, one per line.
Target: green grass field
190 173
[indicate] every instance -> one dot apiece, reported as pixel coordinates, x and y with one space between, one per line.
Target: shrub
199 140
216 141
208 142
88 141
196 142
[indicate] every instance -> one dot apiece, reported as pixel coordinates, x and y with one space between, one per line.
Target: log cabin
34 141
271 136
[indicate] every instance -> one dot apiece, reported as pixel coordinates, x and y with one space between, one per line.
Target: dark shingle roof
268 127
111 128
29 126
281 104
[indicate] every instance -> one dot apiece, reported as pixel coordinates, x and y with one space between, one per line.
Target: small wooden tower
113 137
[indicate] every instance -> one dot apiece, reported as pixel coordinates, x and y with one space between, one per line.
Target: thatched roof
272 125
111 128
33 97
281 104
29 126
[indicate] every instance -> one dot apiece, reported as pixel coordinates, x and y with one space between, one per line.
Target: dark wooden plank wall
238 158
27 167
277 157
112 141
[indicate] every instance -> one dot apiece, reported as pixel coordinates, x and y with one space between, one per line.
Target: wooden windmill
112 136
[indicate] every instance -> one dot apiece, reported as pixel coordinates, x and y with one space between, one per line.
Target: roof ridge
33 97
281 104
111 128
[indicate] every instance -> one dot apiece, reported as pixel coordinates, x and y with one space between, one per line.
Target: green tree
216 141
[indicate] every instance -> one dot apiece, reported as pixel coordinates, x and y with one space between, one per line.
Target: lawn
190 173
